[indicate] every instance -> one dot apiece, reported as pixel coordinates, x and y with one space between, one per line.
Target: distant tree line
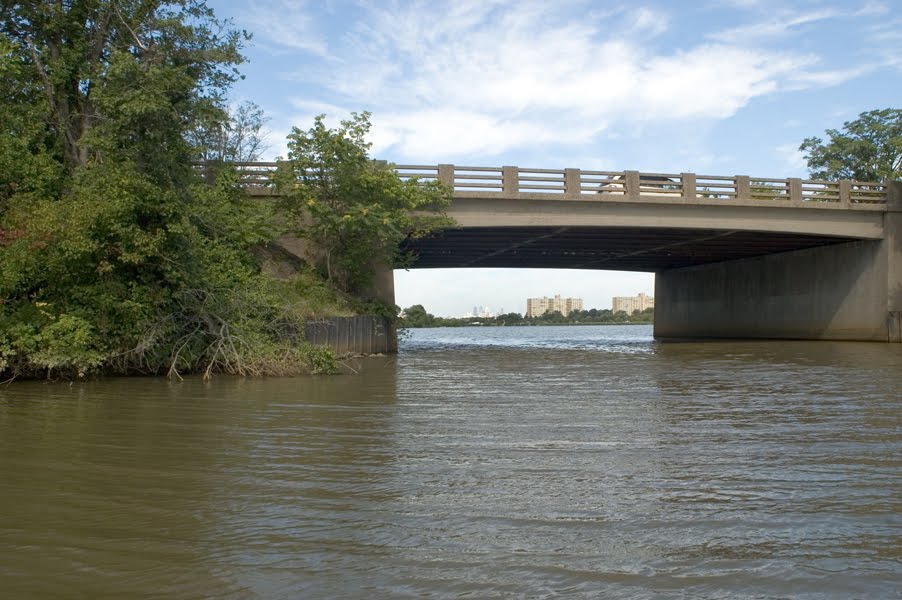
416 317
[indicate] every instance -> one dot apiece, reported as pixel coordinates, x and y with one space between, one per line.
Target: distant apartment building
536 307
630 304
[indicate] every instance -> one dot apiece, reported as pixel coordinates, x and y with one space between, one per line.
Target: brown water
578 462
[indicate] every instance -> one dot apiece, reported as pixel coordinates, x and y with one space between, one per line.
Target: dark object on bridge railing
353 335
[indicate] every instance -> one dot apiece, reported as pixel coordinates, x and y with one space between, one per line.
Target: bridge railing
517 182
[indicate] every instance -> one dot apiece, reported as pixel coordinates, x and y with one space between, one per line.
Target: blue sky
718 87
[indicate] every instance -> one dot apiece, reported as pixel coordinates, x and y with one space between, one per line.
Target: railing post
572 183
743 187
631 181
446 175
510 181
795 189
210 170
893 195
845 192
687 181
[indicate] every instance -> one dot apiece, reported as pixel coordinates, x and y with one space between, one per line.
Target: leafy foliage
135 69
114 255
354 211
867 149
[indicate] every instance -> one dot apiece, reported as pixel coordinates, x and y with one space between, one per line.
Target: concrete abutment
844 291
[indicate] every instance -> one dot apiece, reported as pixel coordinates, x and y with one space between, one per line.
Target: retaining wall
353 335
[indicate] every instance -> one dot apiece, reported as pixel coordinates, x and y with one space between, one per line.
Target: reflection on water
479 462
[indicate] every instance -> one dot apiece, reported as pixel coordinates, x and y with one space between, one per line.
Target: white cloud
743 4
436 134
820 79
873 9
887 36
285 24
648 22
784 22
793 158
780 25
490 76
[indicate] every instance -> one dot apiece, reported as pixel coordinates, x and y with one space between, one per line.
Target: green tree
416 316
115 256
355 211
867 149
126 67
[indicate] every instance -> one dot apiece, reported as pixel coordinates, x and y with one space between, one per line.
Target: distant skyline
718 87
441 291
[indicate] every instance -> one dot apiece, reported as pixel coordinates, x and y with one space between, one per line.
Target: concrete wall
346 335
849 291
383 283
353 335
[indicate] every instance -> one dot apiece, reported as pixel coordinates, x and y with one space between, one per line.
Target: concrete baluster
510 181
572 183
743 187
845 192
687 181
446 175
795 189
631 181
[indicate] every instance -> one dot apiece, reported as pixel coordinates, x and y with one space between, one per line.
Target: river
514 462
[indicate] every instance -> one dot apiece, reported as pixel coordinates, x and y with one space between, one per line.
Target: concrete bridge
734 256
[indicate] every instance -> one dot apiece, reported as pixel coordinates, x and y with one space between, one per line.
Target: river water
518 462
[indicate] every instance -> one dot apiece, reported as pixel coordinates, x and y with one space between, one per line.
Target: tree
125 66
115 255
867 149
416 316
238 138
355 211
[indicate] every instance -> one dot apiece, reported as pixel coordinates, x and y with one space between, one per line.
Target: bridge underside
607 248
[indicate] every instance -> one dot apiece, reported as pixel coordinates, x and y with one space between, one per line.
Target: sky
716 87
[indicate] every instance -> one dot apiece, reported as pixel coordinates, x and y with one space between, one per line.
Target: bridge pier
846 291
383 290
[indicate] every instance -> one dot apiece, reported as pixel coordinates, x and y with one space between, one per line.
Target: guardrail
513 182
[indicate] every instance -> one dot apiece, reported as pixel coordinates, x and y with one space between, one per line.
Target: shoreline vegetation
118 255
416 317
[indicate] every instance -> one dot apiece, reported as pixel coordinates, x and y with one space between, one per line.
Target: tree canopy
116 256
353 210
866 149
125 68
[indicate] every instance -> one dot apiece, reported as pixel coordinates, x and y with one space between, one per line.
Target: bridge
734 256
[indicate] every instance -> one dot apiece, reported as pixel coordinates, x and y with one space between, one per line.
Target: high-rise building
630 304
536 307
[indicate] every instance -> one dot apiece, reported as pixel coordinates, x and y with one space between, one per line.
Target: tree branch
130 30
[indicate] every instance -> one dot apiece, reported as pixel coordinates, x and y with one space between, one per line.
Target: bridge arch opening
462 292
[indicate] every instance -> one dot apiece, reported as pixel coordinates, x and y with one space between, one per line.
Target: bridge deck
627 220
617 248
